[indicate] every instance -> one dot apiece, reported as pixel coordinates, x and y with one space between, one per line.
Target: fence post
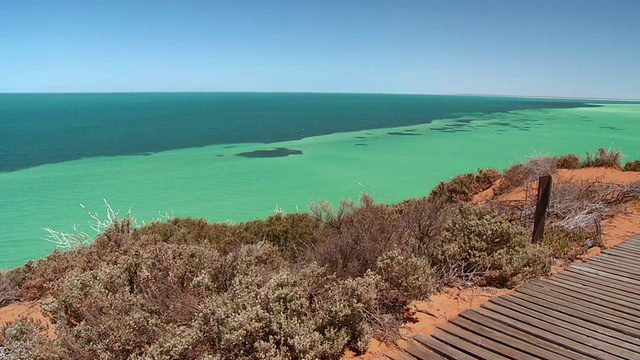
544 196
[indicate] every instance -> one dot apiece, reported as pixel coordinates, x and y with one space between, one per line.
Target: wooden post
544 196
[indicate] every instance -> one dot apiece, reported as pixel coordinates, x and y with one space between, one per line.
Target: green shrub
603 158
481 247
568 244
19 339
568 161
632 165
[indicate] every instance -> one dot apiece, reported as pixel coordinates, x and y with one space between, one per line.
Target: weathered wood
613 270
544 196
588 326
592 289
620 267
535 342
420 352
470 348
442 349
404 356
484 342
537 350
552 327
594 308
584 299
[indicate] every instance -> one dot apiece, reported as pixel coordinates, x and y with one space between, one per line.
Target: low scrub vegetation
294 286
603 158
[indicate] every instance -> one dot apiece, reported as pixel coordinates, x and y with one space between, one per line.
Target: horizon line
561 97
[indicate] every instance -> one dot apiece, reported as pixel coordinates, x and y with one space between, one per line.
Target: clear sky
573 48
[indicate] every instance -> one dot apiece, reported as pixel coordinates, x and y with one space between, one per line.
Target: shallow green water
212 182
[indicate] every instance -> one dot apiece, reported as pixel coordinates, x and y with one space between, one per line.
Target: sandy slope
450 302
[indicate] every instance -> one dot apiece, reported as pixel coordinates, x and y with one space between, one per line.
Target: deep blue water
38 129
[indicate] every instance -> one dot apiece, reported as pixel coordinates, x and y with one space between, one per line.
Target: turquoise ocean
240 156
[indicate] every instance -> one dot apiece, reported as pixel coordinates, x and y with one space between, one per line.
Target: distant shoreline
581 98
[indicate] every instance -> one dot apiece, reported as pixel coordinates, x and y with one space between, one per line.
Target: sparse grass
632 166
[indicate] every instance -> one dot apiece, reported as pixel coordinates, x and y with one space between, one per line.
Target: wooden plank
484 342
604 262
608 320
578 342
601 290
544 333
589 326
627 245
619 251
584 298
420 352
442 349
586 304
612 269
592 288
613 260
610 283
591 271
463 345
404 356
536 342
622 254
537 350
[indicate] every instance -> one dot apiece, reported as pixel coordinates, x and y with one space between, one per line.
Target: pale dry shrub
482 248
603 158
521 174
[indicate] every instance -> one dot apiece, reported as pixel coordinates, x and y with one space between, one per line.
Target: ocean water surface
243 156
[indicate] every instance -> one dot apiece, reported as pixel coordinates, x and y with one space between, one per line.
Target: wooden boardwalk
591 310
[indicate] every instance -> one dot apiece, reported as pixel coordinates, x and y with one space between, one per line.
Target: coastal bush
568 161
480 247
603 158
633 165
422 221
293 233
351 242
8 290
464 187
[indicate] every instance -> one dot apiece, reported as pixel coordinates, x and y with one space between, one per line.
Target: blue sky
573 48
